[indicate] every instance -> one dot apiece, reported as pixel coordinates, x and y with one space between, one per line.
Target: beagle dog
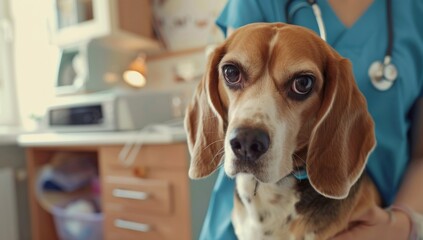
280 110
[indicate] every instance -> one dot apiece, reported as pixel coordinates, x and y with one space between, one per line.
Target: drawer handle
139 227
128 194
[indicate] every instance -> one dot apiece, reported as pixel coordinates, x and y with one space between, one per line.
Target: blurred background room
92 97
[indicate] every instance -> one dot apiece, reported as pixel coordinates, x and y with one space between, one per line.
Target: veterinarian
385 44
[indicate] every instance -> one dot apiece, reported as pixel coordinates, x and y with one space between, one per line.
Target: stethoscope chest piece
382 75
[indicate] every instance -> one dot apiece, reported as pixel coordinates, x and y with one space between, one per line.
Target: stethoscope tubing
389 20
377 69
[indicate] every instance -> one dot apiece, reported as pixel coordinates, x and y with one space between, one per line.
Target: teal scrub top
363 43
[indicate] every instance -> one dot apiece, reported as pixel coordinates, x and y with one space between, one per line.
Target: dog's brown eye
231 74
302 85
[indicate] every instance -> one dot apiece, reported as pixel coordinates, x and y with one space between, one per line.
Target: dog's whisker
220 165
299 158
296 168
217 141
221 161
288 170
220 152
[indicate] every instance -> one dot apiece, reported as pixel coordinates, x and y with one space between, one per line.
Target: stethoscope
382 74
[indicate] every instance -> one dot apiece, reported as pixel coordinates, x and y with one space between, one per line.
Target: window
7 93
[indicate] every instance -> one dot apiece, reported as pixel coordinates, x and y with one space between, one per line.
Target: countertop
154 135
101 138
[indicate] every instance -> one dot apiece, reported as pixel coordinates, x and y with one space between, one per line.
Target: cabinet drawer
135 227
137 195
170 156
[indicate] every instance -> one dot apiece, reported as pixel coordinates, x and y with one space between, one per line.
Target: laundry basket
77 226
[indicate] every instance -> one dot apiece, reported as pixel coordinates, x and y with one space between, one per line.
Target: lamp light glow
136 74
134 78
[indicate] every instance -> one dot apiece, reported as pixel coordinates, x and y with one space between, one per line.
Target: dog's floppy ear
343 135
205 121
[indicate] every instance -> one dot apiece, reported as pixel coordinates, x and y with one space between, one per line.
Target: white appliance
113 111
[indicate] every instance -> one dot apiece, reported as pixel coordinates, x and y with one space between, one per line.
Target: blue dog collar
300 174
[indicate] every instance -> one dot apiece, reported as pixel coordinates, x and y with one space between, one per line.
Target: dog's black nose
249 143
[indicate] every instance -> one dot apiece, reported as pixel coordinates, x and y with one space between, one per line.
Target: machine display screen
86 115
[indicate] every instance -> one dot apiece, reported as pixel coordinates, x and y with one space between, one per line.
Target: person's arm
411 193
377 223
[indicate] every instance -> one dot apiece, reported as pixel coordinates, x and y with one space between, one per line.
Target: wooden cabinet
156 186
152 198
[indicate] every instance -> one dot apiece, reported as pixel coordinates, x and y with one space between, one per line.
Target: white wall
34 58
